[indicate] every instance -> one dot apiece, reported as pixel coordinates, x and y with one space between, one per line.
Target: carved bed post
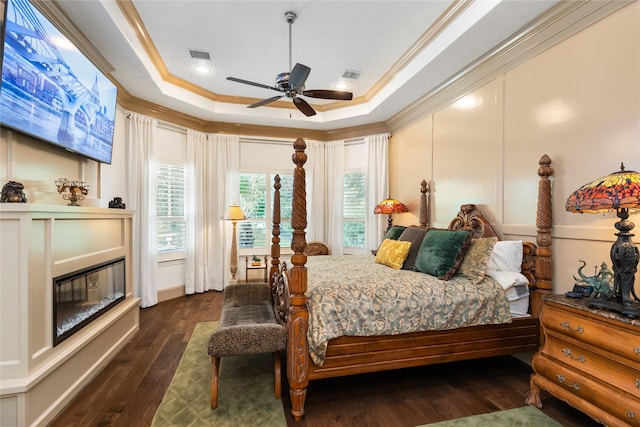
297 346
424 204
275 231
544 265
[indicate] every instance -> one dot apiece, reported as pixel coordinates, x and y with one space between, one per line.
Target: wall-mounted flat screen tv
50 90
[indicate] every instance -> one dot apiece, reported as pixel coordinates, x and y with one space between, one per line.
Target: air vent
200 54
351 74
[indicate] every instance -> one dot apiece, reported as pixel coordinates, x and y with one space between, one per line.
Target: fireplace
82 296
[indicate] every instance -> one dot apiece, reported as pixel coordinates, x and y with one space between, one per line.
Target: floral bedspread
352 295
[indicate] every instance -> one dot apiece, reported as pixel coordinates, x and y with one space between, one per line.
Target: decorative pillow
394 232
506 256
475 261
441 252
392 253
415 235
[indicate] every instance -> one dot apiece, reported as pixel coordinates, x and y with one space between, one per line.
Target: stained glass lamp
619 192
390 206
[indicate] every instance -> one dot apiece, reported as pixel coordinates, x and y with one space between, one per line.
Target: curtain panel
141 195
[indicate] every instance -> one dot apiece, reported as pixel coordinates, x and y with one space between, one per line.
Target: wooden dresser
590 359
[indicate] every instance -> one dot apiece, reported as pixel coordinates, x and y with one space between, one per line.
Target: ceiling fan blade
298 76
265 101
304 107
247 82
328 94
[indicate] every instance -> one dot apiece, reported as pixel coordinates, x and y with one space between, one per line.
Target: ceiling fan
291 84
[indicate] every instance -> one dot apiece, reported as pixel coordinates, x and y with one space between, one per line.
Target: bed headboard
470 218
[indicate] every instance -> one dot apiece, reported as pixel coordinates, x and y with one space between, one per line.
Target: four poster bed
319 347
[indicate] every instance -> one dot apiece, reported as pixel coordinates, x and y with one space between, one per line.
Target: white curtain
316 198
224 190
377 187
141 193
198 262
334 156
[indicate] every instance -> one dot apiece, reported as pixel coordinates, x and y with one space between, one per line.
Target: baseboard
171 293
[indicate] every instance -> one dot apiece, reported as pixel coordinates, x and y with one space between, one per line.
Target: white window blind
256 200
354 209
171 224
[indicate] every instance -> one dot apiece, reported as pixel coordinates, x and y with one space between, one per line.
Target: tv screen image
50 90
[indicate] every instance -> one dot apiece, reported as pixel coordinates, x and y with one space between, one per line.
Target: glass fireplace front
82 296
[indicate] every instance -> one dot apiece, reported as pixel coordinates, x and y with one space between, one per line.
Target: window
354 210
171 224
256 200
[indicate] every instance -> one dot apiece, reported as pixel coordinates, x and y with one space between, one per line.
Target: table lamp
620 192
390 206
234 214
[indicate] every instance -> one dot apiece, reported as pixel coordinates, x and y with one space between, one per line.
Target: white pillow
508 279
506 256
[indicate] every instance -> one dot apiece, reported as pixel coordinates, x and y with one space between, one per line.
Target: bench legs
215 372
278 374
215 375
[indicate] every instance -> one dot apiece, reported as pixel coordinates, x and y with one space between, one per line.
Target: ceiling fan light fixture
292 84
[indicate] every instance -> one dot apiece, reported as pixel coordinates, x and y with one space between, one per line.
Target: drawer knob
563 380
637 382
630 414
567 325
636 350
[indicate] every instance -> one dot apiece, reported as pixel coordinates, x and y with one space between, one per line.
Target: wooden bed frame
349 355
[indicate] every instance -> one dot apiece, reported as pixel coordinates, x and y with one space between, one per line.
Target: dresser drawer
612 401
621 374
585 328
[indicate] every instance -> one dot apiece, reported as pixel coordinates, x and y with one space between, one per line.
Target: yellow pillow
392 253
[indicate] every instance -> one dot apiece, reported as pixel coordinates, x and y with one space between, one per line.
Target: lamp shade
619 190
234 213
390 206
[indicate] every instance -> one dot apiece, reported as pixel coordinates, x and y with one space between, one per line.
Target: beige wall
578 102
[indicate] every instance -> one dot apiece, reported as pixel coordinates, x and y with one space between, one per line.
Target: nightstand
590 359
248 266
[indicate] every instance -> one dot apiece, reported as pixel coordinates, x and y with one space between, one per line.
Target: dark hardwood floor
131 387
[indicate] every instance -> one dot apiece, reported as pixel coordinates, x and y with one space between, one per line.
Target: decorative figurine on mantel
117 203
601 282
72 190
12 193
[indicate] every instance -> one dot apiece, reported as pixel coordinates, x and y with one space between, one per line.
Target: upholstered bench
248 325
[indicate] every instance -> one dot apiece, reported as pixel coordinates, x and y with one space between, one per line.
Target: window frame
175 254
345 220
269 174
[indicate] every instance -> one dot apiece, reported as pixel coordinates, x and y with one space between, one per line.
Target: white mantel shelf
42 208
38 243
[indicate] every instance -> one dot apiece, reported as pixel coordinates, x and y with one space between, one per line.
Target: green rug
527 416
245 394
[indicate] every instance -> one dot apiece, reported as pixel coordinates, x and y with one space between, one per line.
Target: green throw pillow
394 232
441 252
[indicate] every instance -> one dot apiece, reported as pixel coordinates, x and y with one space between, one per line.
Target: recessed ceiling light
202 69
341 85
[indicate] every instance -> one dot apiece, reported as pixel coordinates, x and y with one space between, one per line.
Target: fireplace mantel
37 244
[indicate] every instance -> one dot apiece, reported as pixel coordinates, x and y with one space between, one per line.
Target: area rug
527 416
245 394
